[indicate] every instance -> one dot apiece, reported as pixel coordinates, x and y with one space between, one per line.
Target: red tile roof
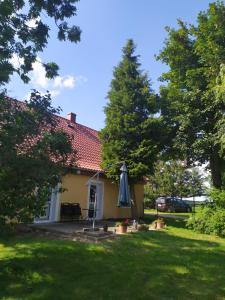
86 143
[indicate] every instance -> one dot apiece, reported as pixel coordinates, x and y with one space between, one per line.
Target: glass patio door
51 210
95 194
46 215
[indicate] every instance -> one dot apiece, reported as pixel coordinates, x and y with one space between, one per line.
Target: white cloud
69 81
38 77
16 61
41 83
32 22
66 81
57 84
58 81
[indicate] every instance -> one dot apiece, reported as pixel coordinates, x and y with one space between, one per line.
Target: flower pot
122 228
159 224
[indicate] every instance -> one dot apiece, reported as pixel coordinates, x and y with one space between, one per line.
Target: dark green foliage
33 153
18 37
150 196
217 197
210 218
130 131
192 102
173 178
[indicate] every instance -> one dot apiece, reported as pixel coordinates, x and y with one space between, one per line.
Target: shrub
217 197
210 220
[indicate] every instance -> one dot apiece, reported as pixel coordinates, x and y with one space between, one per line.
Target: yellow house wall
77 191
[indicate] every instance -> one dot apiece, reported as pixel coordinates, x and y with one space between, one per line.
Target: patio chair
70 211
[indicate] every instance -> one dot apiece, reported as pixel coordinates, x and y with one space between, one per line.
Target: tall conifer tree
130 126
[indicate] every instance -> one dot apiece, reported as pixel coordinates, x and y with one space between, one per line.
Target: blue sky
86 68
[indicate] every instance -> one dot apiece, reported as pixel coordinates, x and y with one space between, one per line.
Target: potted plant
122 226
159 223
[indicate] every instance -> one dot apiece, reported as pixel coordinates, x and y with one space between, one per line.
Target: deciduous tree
24 33
173 178
192 110
33 156
33 152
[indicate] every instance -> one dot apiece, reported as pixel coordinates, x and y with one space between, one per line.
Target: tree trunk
216 166
134 212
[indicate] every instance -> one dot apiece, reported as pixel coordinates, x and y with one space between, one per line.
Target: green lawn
171 264
154 211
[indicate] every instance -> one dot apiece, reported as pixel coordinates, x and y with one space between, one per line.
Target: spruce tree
130 132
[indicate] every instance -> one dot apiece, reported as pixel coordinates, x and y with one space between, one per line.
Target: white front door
95 193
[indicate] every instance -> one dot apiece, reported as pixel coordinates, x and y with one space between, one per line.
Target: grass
175 263
154 211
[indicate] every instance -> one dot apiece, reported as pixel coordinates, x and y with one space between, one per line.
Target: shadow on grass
178 223
152 265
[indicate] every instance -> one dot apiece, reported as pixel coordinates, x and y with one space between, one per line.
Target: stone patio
75 230
71 227
79 230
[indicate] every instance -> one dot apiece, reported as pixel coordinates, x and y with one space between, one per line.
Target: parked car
172 204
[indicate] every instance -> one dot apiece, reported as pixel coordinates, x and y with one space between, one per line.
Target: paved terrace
72 227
